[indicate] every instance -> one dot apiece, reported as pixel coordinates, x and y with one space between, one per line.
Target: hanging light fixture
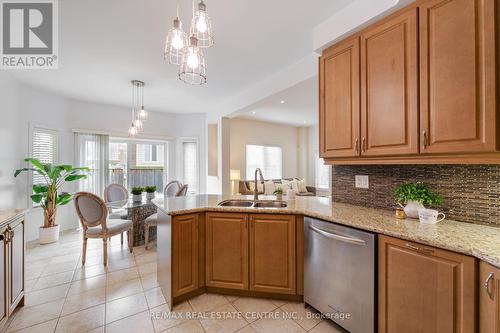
176 42
192 69
201 26
139 114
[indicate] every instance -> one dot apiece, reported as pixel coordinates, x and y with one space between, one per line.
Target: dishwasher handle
338 237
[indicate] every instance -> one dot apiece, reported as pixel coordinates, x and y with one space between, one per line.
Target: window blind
268 158
190 166
45 147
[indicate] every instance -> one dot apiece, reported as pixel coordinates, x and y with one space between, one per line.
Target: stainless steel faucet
256 190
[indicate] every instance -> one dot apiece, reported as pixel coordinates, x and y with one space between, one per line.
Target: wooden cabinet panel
389 87
457 76
272 253
425 289
227 250
16 250
185 254
489 298
339 100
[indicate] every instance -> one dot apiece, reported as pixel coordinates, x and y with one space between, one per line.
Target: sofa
245 189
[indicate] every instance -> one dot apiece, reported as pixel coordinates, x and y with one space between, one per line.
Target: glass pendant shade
192 69
175 43
142 114
201 26
138 124
132 130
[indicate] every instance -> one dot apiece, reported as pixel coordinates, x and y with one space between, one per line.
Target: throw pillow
302 186
294 185
286 185
269 187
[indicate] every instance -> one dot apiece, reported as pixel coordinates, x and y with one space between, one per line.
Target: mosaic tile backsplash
471 192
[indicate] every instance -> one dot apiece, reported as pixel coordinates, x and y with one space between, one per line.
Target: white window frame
322 191
262 145
57 154
181 141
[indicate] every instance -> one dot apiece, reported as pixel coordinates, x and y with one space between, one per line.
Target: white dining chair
96 223
115 193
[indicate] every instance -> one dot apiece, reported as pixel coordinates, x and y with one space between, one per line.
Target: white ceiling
106 43
296 106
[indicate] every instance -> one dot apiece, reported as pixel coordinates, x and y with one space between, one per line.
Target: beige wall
289 138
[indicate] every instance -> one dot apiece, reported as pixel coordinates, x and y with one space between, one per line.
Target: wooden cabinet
425 289
339 100
489 298
227 250
185 254
457 76
389 87
272 253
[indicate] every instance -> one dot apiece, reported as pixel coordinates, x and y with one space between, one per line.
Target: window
267 158
190 169
149 155
44 148
322 174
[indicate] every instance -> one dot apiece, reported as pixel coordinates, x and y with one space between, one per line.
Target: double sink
255 204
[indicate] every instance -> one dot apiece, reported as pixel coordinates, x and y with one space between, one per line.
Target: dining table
137 212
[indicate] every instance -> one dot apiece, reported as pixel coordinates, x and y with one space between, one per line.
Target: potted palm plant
150 192
413 196
47 194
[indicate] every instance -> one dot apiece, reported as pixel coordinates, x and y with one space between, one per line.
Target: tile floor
63 296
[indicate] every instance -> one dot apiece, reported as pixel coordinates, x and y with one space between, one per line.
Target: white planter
411 209
137 197
150 196
48 235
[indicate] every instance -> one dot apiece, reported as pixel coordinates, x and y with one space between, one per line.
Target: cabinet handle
418 249
424 139
486 284
12 233
357 146
363 144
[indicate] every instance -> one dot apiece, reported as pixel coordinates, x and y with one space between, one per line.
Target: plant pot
136 197
150 196
48 235
411 209
279 197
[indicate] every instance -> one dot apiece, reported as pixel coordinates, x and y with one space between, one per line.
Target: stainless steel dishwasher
339 274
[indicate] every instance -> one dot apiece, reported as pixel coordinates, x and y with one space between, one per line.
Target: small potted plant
414 196
150 192
47 194
278 192
137 194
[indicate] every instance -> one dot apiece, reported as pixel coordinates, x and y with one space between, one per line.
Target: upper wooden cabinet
489 298
272 253
339 100
389 87
226 250
425 289
457 76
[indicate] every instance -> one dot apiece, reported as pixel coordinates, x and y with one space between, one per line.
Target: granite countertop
476 240
10 214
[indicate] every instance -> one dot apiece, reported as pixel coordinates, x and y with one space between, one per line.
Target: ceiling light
253 112
139 114
282 102
132 131
201 27
192 69
176 42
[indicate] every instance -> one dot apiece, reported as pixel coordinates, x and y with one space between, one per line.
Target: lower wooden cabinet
226 241
185 254
425 289
489 298
272 253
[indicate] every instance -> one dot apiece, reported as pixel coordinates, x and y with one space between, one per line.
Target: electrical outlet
361 181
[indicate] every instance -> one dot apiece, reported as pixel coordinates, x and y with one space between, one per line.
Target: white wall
25 107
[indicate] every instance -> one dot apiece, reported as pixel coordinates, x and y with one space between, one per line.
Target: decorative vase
150 195
411 209
48 235
137 197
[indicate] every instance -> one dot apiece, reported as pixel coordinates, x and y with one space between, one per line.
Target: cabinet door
489 298
389 85
339 100
425 289
457 76
16 264
185 258
227 250
3 276
272 253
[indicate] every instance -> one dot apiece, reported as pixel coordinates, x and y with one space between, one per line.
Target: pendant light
192 69
201 26
176 42
139 114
